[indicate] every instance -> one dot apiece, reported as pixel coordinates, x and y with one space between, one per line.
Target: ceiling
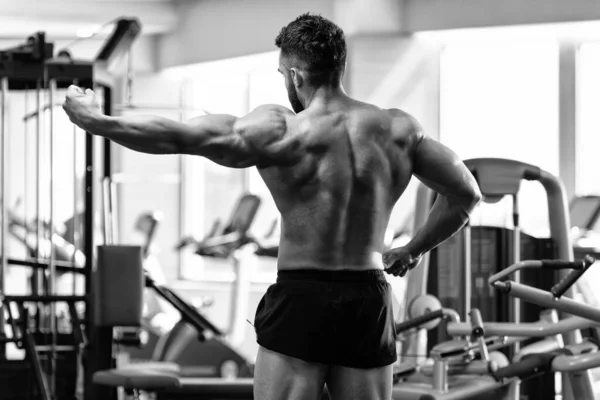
68 18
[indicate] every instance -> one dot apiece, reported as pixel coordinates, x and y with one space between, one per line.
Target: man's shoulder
405 128
274 108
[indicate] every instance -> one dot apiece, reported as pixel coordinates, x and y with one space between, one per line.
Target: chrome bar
513 268
75 220
475 367
530 329
51 261
39 167
3 200
440 375
577 363
114 218
106 211
516 303
546 299
468 278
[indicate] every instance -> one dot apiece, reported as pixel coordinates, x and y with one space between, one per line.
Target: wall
424 15
218 29
394 71
151 182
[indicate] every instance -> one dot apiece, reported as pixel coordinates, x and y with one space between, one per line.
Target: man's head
313 55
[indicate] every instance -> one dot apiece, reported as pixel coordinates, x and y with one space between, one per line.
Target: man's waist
331 274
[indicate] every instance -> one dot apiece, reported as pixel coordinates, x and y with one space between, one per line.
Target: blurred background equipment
506 80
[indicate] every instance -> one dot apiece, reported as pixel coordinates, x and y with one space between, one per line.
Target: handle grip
417 321
561 287
476 323
531 364
561 264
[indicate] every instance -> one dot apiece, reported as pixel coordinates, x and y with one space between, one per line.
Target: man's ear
297 77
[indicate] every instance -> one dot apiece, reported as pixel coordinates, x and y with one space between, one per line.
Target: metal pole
114 219
39 168
468 267
106 198
39 275
183 172
51 264
75 220
26 170
516 303
3 179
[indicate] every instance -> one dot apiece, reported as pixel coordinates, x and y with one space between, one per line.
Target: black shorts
340 318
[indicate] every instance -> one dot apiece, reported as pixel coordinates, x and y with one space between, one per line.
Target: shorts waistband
370 275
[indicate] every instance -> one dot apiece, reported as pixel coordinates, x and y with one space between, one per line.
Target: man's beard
294 100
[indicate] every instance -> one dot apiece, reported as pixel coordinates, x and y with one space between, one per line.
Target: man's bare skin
335 202
335 171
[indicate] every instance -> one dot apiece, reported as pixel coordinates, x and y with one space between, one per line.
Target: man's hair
319 43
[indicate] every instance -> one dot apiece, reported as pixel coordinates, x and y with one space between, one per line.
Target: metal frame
488 172
34 69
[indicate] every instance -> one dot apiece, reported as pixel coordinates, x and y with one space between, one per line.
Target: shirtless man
335 168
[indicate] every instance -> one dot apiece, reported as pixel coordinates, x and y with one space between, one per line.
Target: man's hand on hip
399 261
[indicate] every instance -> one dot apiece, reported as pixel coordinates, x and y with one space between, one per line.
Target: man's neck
325 94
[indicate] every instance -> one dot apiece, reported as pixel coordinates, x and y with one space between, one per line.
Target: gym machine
216 357
496 178
49 370
194 346
53 353
585 230
469 367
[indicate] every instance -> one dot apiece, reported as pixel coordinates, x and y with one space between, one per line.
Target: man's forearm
148 134
446 218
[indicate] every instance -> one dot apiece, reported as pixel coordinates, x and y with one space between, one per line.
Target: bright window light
588 119
500 99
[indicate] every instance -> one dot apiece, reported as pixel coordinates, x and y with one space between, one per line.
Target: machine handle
531 364
417 321
561 264
561 287
476 323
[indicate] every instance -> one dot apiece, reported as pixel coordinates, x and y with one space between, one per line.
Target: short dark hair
318 42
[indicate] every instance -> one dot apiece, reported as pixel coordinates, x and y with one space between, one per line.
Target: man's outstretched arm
261 137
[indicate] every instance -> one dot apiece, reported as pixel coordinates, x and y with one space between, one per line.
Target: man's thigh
360 384
279 377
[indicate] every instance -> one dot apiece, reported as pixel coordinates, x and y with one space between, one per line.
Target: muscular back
336 201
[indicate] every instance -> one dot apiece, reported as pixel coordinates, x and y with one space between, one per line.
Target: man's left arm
261 137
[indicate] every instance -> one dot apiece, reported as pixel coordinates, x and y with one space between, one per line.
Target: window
588 119
235 87
500 99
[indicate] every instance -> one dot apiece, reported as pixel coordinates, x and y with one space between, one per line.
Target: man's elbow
471 199
476 197
466 201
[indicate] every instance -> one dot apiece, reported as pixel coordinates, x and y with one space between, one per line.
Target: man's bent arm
441 170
